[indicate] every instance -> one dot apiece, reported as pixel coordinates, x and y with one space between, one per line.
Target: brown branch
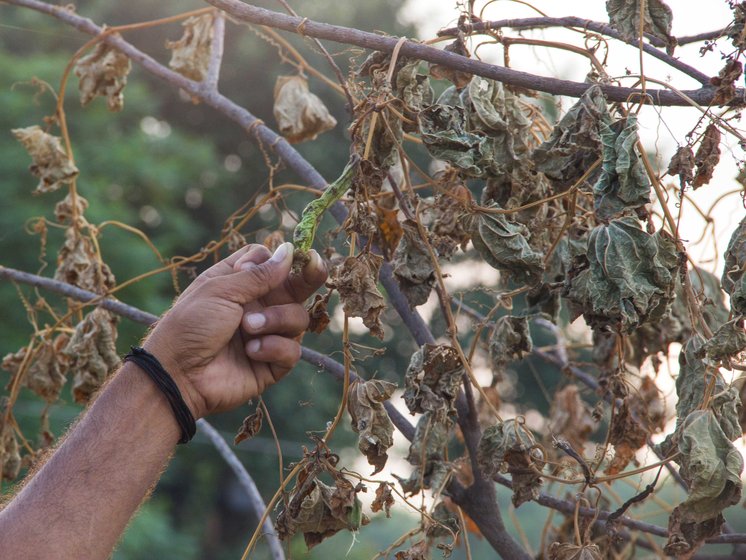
584 24
253 14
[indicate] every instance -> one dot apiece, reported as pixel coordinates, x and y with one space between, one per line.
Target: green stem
305 231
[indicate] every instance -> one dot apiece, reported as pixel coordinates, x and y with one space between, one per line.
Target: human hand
231 333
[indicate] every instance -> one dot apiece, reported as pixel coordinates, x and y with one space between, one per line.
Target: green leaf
575 143
503 245
626 277
733 280
623 183
625 16
509 446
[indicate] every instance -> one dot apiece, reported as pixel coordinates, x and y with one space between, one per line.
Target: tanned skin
227 338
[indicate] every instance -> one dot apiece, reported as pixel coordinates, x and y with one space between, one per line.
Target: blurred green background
177 170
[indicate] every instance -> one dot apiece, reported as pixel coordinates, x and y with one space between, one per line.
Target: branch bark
345 35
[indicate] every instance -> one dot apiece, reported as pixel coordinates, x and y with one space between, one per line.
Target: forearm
79 503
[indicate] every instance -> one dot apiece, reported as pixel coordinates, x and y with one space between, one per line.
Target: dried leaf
300 114
503 245
623 184
733 280
320 511
726 82
418 551
727 342
415 91
384 499
626 277
509 340
444 219
567 551
444 523
318 314
456 77
65 209
510 447
92 353
624 15
712 467
355 280
389 230
103 72
707 156
50 161
570 417
682 164
426 453
79 265
575 142
432 381
370 419
413 267
191 53
46 374
10 456
250 426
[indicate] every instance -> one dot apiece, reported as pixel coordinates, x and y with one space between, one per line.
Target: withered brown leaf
682 164
413 267
418 551
190 55
509 340
10 456
433 378
370 419
567 551
725 82
356 281
570 417
384 499
79 265
103 73
250 426
50 162
317 313
456 77
300 114
707 156
66 209
92 352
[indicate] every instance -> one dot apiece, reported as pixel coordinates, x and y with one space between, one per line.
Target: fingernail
281 253
254 345
256 321
317 263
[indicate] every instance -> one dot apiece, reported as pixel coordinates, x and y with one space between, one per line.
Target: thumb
255 280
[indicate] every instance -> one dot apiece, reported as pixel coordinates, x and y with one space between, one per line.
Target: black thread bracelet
150 365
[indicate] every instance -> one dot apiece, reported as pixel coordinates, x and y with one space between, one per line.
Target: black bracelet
150 365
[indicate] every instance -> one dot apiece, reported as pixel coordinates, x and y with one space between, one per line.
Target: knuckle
260 275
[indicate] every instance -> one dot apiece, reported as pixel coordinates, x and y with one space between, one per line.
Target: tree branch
216 54
585 24
253 14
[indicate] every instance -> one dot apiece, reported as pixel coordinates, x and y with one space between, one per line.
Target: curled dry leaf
726 82
575 142
92 353
50 162
509 340
370 420
418 551
79 265
625 16
415 91
682 164
384 499
570 417
65 210
623 183
432 381
250 426
503 244
456 77
707 156
10 456
640 415
318 314
626 277
300 114
733 280
103 73
510 447
444 522
190 55
45 375
444 219
320 511
727 342
426 453
355 280
567 551
413 267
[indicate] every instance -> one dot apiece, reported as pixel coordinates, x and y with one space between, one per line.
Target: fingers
298 287
290 319
254 280
279 352
248 253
